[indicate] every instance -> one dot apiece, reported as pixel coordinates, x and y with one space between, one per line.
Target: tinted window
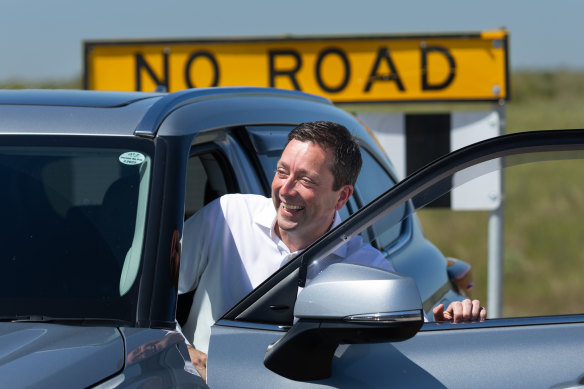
72 227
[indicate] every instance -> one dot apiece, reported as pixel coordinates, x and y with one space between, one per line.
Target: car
97 186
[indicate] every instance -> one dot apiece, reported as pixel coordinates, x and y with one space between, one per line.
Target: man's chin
286 224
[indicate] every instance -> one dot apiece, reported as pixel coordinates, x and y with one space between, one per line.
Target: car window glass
73 222
373 181
542 247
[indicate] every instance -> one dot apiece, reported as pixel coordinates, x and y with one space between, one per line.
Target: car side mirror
345 304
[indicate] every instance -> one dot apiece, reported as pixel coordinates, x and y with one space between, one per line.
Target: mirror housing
345 304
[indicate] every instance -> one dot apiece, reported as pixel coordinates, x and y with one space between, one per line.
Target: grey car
96 186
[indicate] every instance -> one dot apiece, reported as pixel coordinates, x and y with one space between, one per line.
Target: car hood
53 356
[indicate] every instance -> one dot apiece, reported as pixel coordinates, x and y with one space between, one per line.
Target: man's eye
280 173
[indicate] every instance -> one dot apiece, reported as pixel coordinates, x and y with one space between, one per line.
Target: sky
42 40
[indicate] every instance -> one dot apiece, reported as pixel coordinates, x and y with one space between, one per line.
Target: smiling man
301 190
237 241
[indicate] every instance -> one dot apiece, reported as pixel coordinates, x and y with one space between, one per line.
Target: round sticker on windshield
132 158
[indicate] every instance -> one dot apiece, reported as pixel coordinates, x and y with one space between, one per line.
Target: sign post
496 244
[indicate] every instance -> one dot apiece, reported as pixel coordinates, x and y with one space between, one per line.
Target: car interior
207 174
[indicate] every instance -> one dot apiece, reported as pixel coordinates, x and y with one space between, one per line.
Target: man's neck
293 243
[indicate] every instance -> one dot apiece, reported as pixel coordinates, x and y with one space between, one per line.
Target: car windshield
72 226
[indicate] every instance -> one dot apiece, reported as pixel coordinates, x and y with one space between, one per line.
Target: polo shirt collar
267 217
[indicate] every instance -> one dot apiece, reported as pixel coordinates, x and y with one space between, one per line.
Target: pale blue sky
43 39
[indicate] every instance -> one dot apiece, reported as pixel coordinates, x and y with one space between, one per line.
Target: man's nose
288 186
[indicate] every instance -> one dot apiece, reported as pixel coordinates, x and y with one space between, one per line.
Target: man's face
302 192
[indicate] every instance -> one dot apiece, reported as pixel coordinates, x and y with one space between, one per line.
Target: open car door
353 326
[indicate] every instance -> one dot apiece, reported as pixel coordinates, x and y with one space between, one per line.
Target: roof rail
148 126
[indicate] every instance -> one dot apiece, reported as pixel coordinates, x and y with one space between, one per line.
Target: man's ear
344 193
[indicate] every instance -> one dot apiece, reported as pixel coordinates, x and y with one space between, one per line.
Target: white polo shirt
230 247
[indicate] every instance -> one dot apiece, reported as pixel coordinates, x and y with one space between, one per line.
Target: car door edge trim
252 326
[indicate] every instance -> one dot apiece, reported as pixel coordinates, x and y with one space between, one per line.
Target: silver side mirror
346 303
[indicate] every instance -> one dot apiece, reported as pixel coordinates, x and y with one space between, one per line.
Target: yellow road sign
447 67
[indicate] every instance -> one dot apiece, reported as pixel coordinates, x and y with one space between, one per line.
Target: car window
373 181
541 245
73 221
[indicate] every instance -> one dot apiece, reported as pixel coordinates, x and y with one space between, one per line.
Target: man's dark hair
328 135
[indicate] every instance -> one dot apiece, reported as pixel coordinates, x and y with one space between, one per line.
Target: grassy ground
546 101
73 83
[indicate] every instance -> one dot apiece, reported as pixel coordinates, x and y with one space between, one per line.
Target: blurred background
42 47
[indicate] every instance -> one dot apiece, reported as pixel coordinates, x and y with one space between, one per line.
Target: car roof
187 112
124 113
72 98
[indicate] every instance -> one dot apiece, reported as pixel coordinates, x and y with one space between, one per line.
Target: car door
271 339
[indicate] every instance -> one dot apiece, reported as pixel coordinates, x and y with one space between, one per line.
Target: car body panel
510 353
63 117
157 357
50 355
72 98
234 111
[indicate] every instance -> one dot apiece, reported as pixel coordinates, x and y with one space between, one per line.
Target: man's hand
460 312
199 360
